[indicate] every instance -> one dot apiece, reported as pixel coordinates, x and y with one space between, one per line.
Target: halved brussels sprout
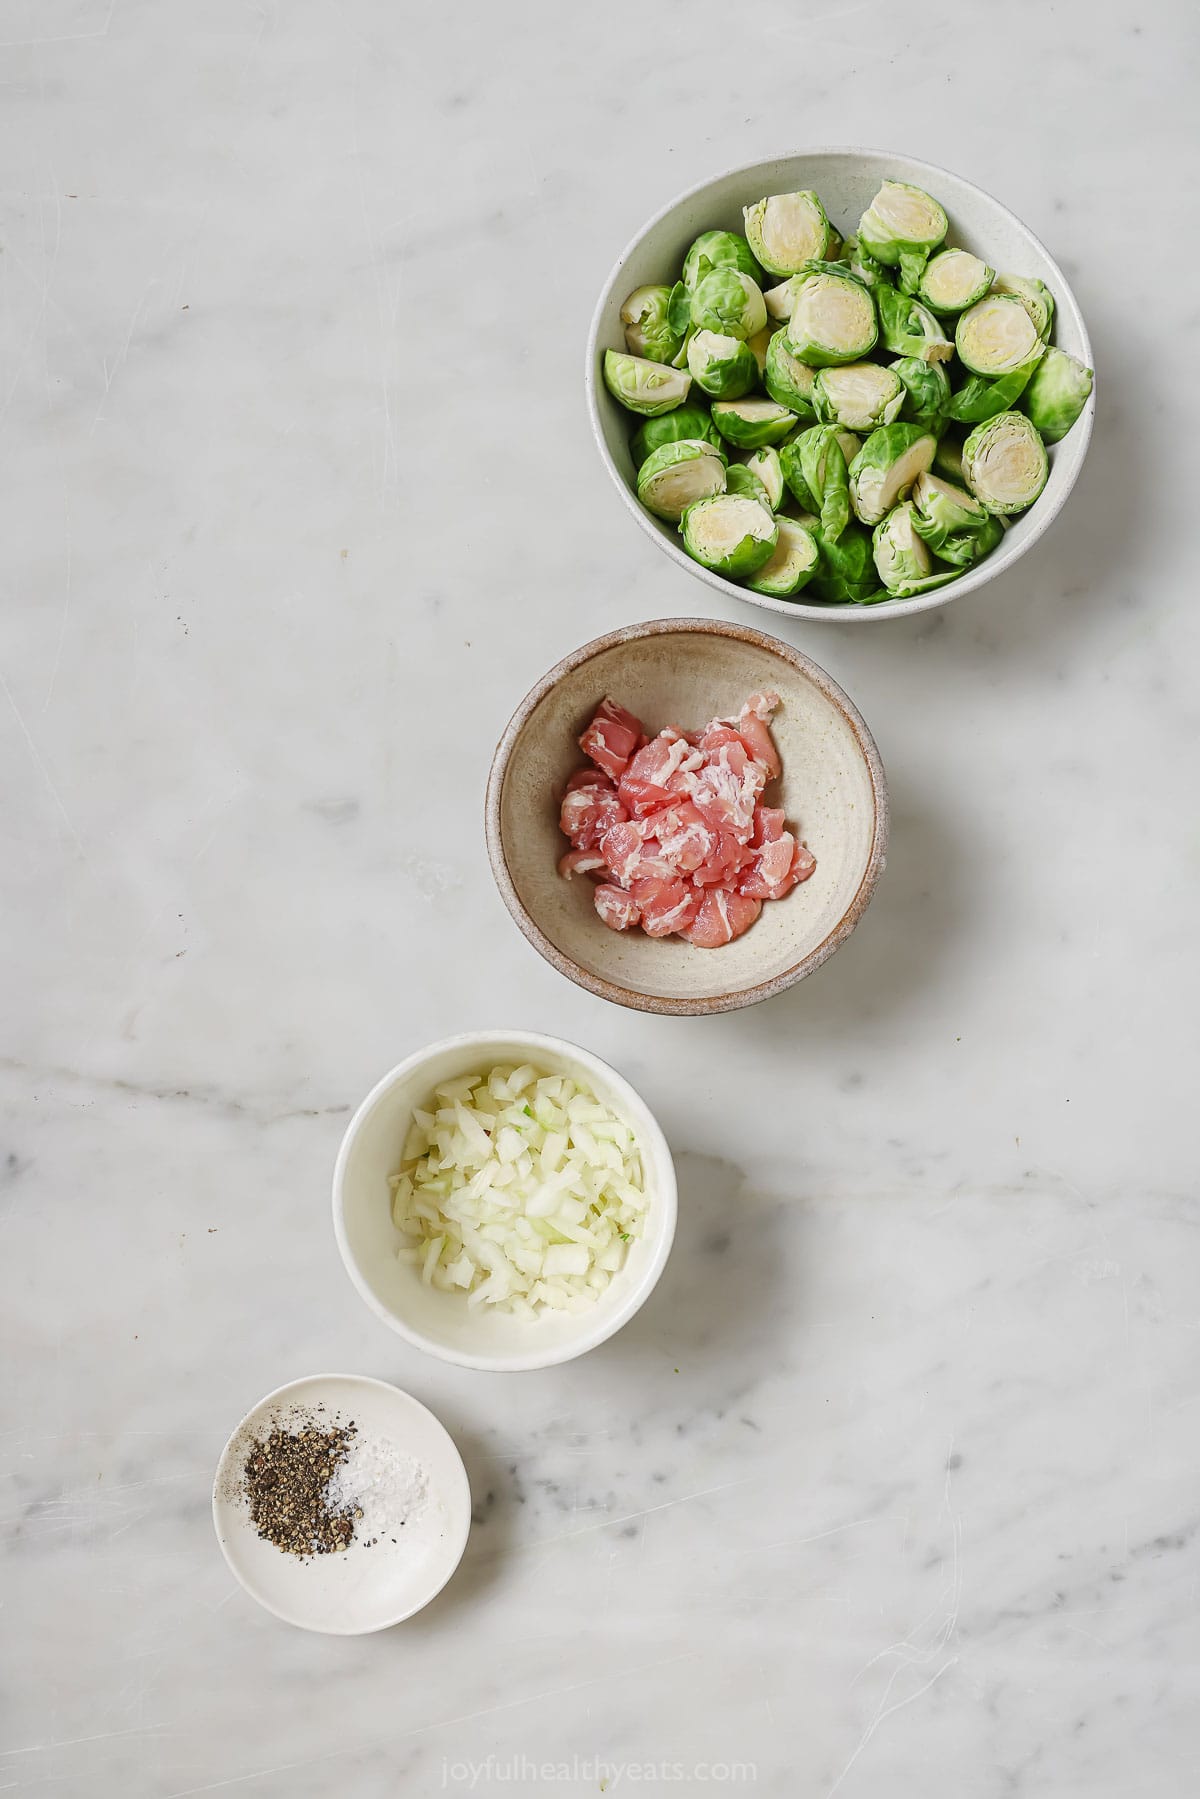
926 391
749 424
645 387
766 465
788 380
979 398
678 474
793 564
832 322
859 395
954 280
850 444
787 230
718 250
1057 394
814 468
729 302
723 366
1004 463
742 480
900 555
1036 298
996 336
908 328
845 572
952 522
886 467
648 330
730 534
901 227
759 344
686 421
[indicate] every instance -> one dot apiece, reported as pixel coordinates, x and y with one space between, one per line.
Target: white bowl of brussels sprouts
840 427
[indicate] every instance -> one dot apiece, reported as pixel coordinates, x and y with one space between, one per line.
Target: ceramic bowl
846 180
371 1584
443 1323
686 671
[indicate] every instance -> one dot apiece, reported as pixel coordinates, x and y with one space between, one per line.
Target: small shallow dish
847 181
444 1324
362 1588
685 671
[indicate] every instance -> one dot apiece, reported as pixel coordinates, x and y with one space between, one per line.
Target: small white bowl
365 1587
846 180
442 1323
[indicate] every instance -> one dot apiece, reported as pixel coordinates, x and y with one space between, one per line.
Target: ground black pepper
285 1478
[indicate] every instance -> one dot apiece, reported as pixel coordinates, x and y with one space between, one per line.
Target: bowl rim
666 1205
281 1394
834 614
760 990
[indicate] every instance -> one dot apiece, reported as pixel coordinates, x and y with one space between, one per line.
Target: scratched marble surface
892 1489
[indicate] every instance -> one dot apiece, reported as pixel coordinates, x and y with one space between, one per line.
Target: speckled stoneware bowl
846 180
685 671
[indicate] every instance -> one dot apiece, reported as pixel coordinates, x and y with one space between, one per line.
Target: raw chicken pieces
674 827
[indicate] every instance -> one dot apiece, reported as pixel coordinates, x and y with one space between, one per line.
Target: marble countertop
892 1488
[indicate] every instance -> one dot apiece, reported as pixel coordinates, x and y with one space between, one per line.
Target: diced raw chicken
631 851
618 909
754 726
666 906
725 791
725 860
588 811
722 917
685 841
581 862
778 867
612 738
768 825
643 788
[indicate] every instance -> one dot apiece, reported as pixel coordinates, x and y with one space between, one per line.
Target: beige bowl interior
685 672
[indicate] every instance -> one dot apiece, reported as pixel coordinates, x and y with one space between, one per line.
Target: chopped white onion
520 1189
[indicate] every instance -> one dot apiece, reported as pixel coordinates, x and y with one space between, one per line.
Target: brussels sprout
647 328
845 570
814 468
1004 463
900 228
995 336
833 320
780 300
723 366
861 263
760 343
947 458
1034 296
900 555
675 476
749 424
645 387
926 391
1057 394
788 380
792 565
686 421
766 465
787 230
729 302
908 328
730 534
742 480
886 467
954 280
952 522
718 250
851 445
679 309
859 395
979 399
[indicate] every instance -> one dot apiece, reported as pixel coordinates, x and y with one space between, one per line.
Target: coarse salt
389 1489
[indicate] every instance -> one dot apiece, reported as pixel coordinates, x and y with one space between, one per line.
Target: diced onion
520 1189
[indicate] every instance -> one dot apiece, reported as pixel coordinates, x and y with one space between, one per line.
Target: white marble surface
892 1490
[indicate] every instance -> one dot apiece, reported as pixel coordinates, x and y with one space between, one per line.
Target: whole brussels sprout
689 420
729 302
723 366
718 250
1057 394
926 391
845 573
